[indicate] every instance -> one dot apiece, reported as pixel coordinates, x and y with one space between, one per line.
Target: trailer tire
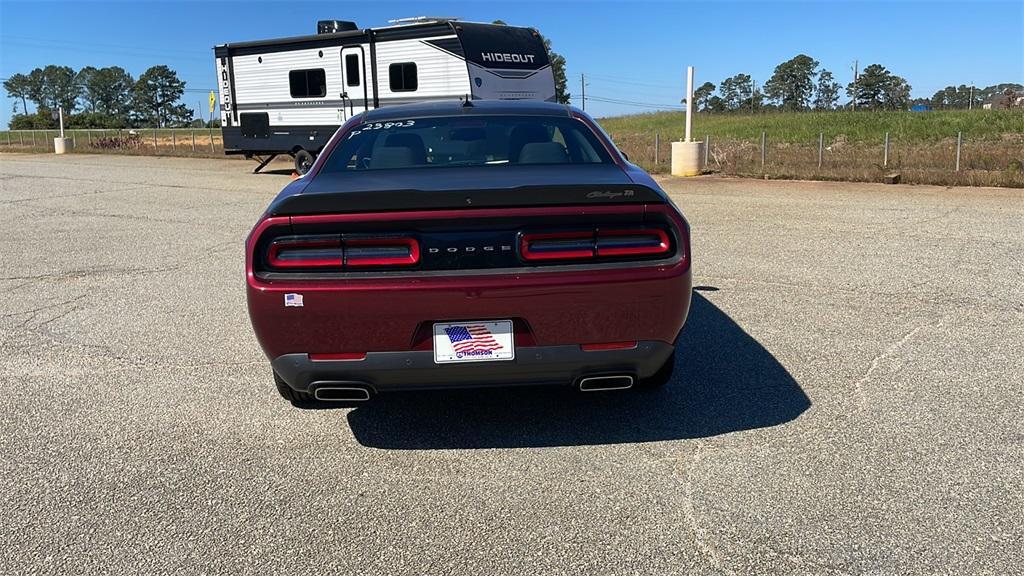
303 161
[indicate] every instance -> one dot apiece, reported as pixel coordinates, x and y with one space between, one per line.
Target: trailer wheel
304 161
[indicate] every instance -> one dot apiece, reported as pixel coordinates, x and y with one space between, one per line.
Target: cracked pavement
848 400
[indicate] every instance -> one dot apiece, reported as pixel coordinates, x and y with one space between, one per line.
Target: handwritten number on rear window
381 126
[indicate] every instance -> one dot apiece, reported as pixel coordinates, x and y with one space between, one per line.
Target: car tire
661 377
304 161
299 399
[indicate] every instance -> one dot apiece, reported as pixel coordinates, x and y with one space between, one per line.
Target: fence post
821 148
154 140
74 138
885 157
707 147
193 139
174 141
211 141
959 141
657 147
33 138
764 138
21 139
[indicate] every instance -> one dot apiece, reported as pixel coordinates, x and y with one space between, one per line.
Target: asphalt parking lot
849 400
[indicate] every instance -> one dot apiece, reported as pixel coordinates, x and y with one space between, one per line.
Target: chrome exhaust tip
333 393
602 383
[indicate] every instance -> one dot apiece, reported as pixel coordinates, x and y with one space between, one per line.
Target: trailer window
308 83
352 70
402 77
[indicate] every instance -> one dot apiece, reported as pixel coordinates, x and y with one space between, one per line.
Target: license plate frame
476 340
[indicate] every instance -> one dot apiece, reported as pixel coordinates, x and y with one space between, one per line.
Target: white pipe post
689 101
60 112
686 153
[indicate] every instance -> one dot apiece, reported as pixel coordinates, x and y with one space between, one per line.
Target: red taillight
382 252
557 245
588 244
609 346
306 252
643 242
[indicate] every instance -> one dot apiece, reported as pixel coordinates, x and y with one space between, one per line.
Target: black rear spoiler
523 196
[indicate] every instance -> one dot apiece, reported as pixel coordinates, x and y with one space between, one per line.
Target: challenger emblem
609 194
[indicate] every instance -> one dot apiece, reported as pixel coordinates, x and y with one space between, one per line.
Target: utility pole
970 103
583 90
855 63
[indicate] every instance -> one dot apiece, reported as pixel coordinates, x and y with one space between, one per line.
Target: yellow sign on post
213 99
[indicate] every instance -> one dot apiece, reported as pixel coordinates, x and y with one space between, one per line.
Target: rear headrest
525 134
543 153
393 157
410 141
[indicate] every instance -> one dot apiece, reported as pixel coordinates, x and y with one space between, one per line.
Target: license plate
481 341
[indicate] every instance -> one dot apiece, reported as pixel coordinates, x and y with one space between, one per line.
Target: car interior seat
543 153
522 135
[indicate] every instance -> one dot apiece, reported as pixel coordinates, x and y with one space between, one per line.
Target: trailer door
353 73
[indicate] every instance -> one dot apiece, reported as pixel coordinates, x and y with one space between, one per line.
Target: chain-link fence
164 141
955 160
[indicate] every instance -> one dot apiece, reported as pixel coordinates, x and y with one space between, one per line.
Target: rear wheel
304 161
300 399
661 377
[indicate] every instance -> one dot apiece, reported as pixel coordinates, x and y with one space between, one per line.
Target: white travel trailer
289 95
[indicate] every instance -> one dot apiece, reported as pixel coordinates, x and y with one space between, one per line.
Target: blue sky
631 51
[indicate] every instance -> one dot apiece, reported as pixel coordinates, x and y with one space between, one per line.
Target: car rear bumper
533 365
548 308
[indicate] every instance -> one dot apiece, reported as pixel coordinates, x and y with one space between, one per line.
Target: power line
636 103
79 43
123 51
623 80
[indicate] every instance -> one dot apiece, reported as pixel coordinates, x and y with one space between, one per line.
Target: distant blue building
920 108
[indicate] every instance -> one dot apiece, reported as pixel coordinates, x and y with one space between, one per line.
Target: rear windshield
466 141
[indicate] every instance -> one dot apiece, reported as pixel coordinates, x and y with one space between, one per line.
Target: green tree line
99 98
800 84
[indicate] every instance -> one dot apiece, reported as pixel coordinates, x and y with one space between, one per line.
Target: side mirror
626 156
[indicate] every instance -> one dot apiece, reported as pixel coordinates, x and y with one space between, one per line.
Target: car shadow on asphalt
725 381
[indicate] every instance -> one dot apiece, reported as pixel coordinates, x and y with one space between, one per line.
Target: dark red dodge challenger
454 245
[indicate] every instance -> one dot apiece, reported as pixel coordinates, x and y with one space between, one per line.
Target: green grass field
804 127
922 145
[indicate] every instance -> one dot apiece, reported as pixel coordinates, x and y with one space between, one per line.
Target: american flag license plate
473 341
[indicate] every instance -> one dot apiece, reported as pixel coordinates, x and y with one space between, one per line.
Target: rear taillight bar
596 243
382 252
305 252
326 252
646 242
557 245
